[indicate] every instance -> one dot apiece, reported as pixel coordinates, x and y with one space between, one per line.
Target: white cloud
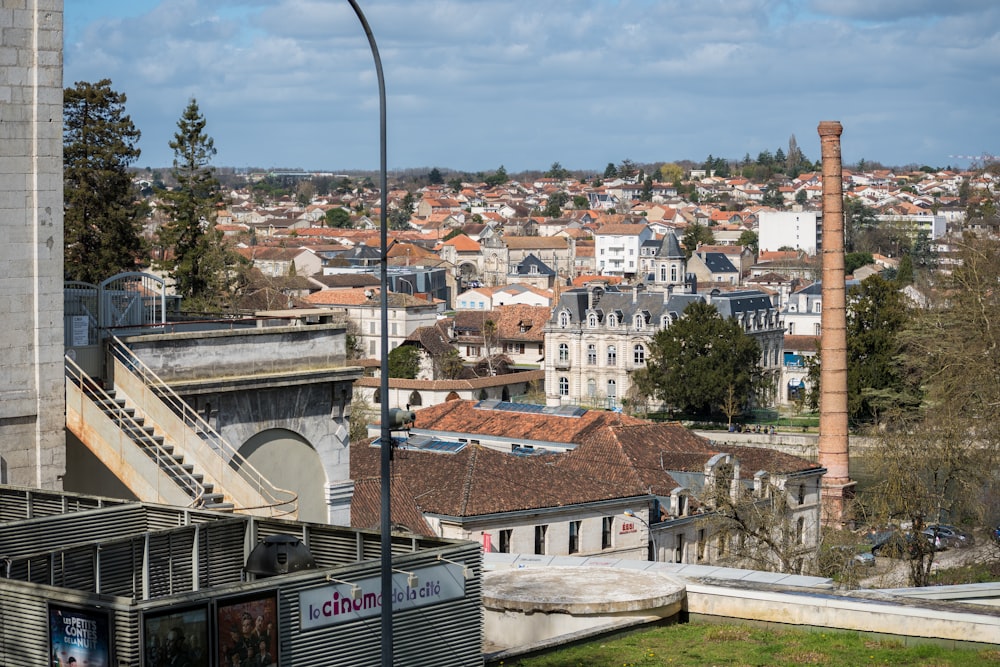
476 83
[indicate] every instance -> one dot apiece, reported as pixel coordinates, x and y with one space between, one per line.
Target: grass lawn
703 644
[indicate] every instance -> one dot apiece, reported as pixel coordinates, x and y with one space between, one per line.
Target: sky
475 84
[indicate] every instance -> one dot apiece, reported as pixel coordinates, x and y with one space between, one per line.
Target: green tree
611 171
801 197
695 235
773 197
448 365
671 172
194 255
580 202
855 260
553 209
858 219
647 189
748 239
435 177
102 227
338 218
697 361
557 171
904 276
499 177
877 386
627 169
404 362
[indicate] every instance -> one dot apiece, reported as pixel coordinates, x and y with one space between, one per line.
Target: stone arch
292 463
415 399
452 396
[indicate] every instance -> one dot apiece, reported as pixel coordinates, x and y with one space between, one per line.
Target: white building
800 230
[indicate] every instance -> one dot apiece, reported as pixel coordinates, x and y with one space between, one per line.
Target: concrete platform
526 607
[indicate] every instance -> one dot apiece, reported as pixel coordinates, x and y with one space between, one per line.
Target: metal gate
131 300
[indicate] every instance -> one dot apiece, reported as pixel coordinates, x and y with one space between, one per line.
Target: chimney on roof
837 487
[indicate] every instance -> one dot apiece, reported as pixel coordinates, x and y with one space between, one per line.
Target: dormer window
638 322
612 320
592 321
564 319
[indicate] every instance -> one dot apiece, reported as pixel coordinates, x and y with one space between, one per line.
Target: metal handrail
280 499
88 386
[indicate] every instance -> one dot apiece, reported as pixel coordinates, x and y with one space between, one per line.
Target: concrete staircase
148 437
159 447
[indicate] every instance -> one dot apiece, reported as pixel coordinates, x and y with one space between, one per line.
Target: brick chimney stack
833 438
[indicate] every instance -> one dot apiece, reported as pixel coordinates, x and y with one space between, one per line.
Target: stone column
833 436
32 389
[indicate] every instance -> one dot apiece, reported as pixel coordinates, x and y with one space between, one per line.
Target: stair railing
163 458
281 502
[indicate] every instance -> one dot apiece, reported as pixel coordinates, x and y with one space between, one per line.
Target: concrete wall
32 441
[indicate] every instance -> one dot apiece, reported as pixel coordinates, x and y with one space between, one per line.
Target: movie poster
79 638
176 638
248 634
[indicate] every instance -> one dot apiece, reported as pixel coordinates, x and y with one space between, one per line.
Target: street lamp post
652 535
385 435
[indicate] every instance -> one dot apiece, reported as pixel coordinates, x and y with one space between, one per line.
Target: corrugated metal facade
131 559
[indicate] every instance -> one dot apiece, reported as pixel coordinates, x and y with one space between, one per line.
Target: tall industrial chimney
833 439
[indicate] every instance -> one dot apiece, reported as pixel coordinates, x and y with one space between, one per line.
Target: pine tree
193 251
102 226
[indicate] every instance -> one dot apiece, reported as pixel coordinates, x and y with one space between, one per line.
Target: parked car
902 545
949 536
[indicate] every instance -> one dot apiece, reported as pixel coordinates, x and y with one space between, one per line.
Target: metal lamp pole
652 535
385 437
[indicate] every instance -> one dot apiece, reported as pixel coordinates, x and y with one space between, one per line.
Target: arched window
673 273
665 320
564 319
612 356
612 390
639 355
377 396
483 395
612 320
591 388
452 396
564 386
563 352
505 395
592 321
663 273
592 354
415 398
638 321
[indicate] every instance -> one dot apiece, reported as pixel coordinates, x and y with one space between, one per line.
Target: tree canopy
700 361
695 235
102 226
876 382
193 252
404 362
338 217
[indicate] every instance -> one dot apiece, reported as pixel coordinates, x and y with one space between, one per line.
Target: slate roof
541 268
716 262
616 457
655 303
670 247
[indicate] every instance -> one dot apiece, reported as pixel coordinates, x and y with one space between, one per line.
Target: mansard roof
717 262
541 268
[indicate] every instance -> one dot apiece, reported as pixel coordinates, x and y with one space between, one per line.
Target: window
592 320
505 541
471 351
607 524
701 544
540 539
800 526
612 356
371 347
612 390
639 321
564 352
673 276
791 328
574 536
802 494
393 328
591 388
612 320
415 399
817 306
663 274
679 549
816 329
377 396
564 319
639 355
371 327
564 386
592 355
